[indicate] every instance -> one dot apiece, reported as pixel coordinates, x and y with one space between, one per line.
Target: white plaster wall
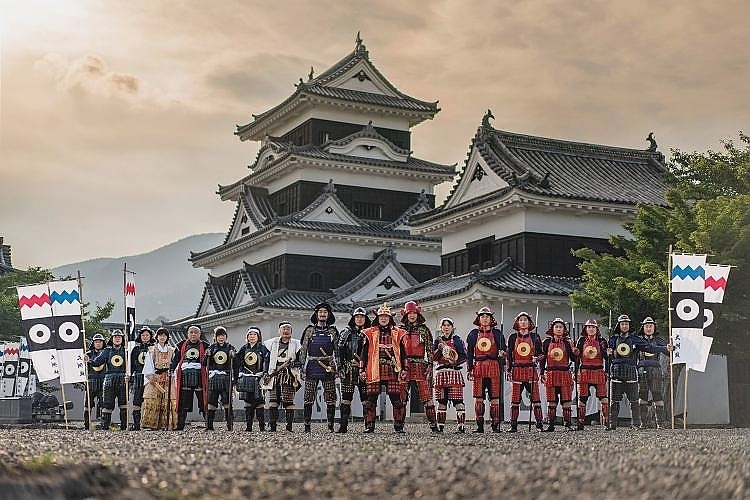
500 225
348 178
325 112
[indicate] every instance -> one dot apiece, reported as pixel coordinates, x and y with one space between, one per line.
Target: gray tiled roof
504 277
384 257
568 170
319 86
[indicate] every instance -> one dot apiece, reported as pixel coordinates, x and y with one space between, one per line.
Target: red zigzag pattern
721 283
34 300
129 288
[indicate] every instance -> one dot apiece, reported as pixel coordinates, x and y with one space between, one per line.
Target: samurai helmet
254 329
360 311
323 305
115 333
560 321
220 330
528 316
443 320
623 317
591 322
145 328
412 306
98 336
648 320
488 311
385 310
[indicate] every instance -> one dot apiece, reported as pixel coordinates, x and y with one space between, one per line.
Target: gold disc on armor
142 358
590 352
556 354
523 349
116 360
98 368
623 349
251 358
484 344
192 353
220 357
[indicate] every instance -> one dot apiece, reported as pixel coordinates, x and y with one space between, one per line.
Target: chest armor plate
524 349
414 343
557 355
485 344
591 351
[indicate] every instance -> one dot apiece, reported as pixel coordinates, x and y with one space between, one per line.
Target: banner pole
684 404
671 340
126 340
86 365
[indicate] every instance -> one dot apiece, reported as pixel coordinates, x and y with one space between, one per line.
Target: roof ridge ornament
652 143
311 74
359 46
330 188
486 119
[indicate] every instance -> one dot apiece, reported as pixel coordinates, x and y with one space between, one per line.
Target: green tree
708 212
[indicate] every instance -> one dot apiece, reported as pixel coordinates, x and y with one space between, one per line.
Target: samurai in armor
416 346
650 375
381 366
351 347
191 377
251 366
113 358
96 380
524 350
449 355
219 363
485 351
159 393
283 379
558 355
318 357
591 371
623 349
137 361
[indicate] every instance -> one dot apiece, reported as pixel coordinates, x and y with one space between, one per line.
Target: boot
370 428
260 415
289 419
229 417
181 417
123 419
659 417
580 426
136 420
86 420
330 414
635 415
480 427
614 412
496 428
307 416
513 427
273 418
550 428
210 416
346 411
249 419
106 420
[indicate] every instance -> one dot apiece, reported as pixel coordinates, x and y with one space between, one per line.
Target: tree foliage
708 212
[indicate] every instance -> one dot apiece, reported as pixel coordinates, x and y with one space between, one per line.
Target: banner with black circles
687 283
10 369
24 368
68 330
36 321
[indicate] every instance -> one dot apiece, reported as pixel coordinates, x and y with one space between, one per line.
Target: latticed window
316 281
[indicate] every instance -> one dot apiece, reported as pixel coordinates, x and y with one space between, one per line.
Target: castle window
316 281
367 210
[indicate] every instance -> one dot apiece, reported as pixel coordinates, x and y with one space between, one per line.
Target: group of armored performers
375 355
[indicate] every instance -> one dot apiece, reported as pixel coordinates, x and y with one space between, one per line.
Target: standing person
558 354
591 371
218 363
650 374
623 347
283 379
416 346
449 354
159 393
352 343
251 366
381 366
113 357
318 357
96 381
137 361
524 347
485 350
191 378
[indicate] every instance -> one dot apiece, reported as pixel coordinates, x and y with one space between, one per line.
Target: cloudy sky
118 117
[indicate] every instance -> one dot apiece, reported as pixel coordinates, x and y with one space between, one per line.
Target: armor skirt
449 384
191 378
249 387
114 387
624 372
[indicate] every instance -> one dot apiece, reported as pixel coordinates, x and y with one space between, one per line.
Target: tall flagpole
62 386
684 403
671 341
126 340
86 365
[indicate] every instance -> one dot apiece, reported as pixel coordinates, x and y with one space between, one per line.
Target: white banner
688 345
10 369
700 366
688 273
716 282
24 368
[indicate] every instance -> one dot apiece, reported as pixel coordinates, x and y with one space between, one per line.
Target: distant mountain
167 285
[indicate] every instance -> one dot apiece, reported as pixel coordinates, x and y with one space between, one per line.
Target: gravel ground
58 463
